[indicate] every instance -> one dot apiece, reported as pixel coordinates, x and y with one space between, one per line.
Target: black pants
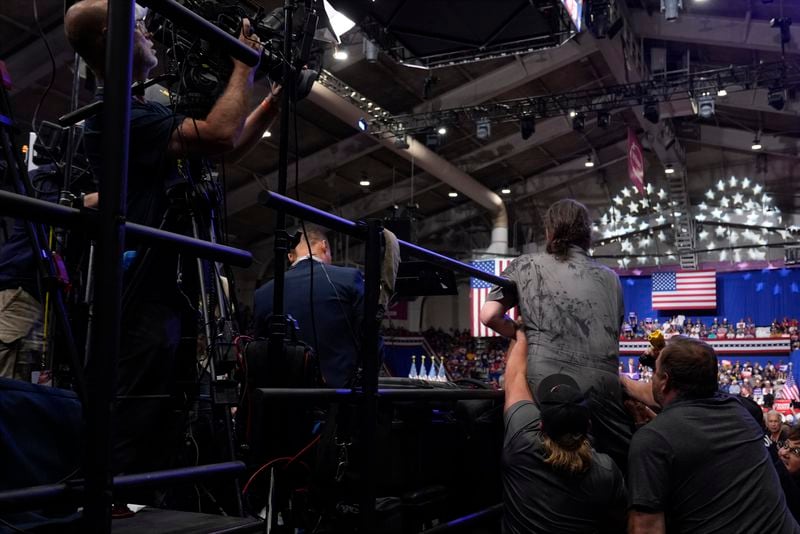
143 433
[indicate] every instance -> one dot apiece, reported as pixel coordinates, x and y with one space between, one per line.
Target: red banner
635 161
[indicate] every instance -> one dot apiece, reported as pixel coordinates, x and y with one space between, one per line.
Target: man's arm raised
516 382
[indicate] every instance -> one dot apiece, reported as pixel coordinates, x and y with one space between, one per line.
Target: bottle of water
423 373
432 374
442 371
413 372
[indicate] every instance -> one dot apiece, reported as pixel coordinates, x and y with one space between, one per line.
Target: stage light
452 194
704 105
671 8
506 190
776 98
442 130
651 111
589 163
266 134
362 124
756 144
364 183
722 92
572 114
669 169
370 51
527 127
578 122
483 129
339 54
603 119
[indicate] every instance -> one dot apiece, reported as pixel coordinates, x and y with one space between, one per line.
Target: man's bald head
85 27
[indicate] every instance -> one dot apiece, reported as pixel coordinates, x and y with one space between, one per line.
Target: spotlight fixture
669 169
589 163
370 51
400 142
578 122
506 190
603 119
572 113
703 105
364 183
441 130
776 98
756 143
362 124
266 134
339 54
651 111
452 194
483 129
527 127
722 92
671 9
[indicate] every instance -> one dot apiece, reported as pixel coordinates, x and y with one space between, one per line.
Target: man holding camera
159 140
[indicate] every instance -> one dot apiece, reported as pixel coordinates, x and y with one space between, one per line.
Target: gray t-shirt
703 464
539 499
572 310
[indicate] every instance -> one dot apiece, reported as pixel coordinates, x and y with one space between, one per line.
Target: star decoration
733 237
703 235
626 192
660 219
645 203
703 206
737 198
700 217
717 213
618 200
661 236
724 202
644 242
720 186
733 181
723 255
662 194
630 219
649 189
634 207
643 226
711 246
710 194
720 231
757 189
745 182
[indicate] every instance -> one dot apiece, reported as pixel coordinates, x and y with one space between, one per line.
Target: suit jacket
338 304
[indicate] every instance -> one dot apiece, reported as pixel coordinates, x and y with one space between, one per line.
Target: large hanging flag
691 290
480 290
635 161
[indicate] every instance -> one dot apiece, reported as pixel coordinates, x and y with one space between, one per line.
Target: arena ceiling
334 157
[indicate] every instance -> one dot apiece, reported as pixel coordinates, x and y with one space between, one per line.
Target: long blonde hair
571 454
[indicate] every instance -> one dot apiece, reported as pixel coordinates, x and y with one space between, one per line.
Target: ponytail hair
567 223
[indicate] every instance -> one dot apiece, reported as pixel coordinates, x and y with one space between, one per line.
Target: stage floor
157 521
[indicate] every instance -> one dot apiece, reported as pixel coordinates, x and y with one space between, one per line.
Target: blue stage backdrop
762 295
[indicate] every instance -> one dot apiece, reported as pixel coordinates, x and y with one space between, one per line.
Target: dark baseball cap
563 406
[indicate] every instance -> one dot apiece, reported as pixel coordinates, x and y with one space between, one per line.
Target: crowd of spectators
635 328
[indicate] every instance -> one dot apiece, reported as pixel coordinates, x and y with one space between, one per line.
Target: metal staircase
683 223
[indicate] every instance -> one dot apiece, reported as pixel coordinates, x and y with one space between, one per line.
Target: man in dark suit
329 319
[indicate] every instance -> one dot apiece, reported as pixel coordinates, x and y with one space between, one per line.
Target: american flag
480 290
694 290
790 387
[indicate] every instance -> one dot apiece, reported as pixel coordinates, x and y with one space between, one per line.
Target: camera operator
159 138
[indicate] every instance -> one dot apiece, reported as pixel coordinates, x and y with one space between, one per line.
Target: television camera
202 70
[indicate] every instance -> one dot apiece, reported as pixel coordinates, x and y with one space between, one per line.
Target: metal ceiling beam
756 100
741 140
312 166
558 177
522 70
716 31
